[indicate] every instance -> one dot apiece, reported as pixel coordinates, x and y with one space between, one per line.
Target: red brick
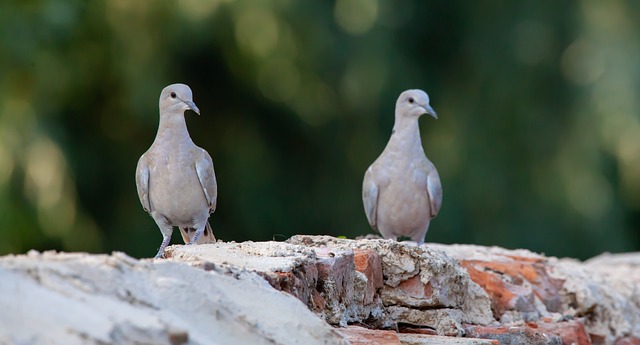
299 283
287 282
364 336
571 332
504 281
334 266
512 335
415 339
416 330
317 300
414 288
628 341
368 262
504 296
526 259
598 339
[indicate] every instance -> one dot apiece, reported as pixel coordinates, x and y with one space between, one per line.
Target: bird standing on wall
175 178
401 191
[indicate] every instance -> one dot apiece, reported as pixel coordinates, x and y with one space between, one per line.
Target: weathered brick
364 336
598 339
504 295
298 283
416 330
423 339
628 341
445 321
335 269
335 282
414 288
514 285
513 335
368 263
572 332
318 303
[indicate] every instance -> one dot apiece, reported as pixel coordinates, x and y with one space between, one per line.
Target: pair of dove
177 185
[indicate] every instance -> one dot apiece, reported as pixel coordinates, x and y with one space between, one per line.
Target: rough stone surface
603 293
628 341
364 336
609 305
368 263
419 339
53 298
443 321
571 332
421 286
416 330
326 279
336 275
289 268
223 293
514 335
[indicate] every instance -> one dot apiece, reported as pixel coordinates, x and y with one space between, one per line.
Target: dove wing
434 188
207 178
142 182
370 198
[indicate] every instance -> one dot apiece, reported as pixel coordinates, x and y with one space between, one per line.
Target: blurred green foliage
538 141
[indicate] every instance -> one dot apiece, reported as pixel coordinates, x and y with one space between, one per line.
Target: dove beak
430 111
192 106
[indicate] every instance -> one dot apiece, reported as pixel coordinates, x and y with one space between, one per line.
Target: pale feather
207 178
370 198
142 182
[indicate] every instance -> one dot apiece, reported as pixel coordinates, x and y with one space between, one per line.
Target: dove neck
172 126
406 134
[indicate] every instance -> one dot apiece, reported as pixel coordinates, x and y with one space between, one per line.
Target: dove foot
165 242
196 236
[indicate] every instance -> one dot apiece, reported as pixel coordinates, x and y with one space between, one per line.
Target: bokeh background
537 144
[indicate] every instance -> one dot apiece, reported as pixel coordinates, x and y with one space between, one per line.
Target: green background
537 144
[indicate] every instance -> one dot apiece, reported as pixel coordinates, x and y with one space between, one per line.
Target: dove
401 191
175 178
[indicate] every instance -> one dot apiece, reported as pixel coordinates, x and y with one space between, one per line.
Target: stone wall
369 291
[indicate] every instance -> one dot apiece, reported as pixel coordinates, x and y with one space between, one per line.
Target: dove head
176 98
414 103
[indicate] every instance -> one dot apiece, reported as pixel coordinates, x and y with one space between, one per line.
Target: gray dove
401 191
175 178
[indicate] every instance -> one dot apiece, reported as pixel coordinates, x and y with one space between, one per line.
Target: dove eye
173 95
411 100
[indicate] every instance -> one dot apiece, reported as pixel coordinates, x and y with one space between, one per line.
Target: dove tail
207 235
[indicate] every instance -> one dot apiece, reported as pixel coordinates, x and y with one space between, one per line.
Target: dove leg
199 231
419 237
166 229
165 241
